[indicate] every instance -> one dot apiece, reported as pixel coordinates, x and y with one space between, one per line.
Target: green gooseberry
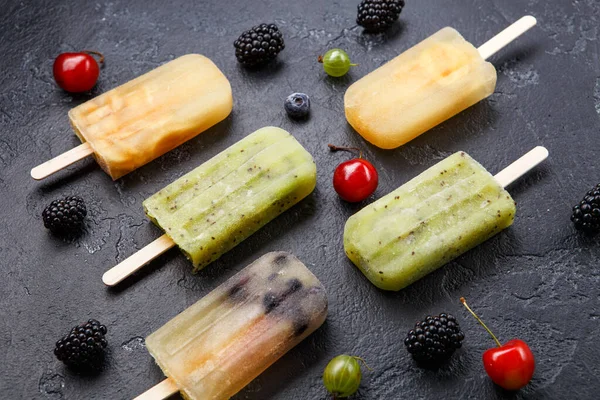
342 376
336 62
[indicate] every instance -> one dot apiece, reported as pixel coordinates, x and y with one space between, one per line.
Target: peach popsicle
424 86
217 346
146 117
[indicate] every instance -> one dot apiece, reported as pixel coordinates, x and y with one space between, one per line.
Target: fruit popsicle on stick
211 209
217 346
432 219
146 117
424 86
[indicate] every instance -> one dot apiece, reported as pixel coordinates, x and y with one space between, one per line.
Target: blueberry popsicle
422 87
425 223
217 346
219 204
148 116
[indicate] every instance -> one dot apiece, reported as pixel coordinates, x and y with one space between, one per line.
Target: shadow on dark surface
70 237
530 179
149 268
431 289
458 129
66 240
85 377
506 394
517 53
371 39
62 179
585 239
289 367
350 209
341 82
449 134
261 72
298 123
92 373
452 368
80 98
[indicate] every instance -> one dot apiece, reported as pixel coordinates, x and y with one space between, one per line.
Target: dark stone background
538 280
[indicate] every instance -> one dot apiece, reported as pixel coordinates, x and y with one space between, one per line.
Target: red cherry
77 72
511 365
354 180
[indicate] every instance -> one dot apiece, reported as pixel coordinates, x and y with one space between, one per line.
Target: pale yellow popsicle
148 116
218 345
422 87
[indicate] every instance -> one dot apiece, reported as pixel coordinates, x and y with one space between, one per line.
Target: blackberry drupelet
378 15
434 339
258 45
83 347
586 214
65 215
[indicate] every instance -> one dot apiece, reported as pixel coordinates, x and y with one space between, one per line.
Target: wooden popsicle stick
520 167
160 391
61 161
509 34
136 261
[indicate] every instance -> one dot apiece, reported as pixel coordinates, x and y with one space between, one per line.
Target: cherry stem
464 302
363 361
351 149
97 53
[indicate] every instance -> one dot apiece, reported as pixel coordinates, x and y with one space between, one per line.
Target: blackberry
83 347
586 214
65 215
258 45
434 339
378 15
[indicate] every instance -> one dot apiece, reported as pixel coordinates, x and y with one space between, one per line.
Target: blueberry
294 285
280 259
270 302
238 291
300 324
297 105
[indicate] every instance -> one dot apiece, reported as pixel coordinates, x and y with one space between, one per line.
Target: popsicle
146 117
437 216
424 86
219 204
217 346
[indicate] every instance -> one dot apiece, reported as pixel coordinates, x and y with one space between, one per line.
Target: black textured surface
539 280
